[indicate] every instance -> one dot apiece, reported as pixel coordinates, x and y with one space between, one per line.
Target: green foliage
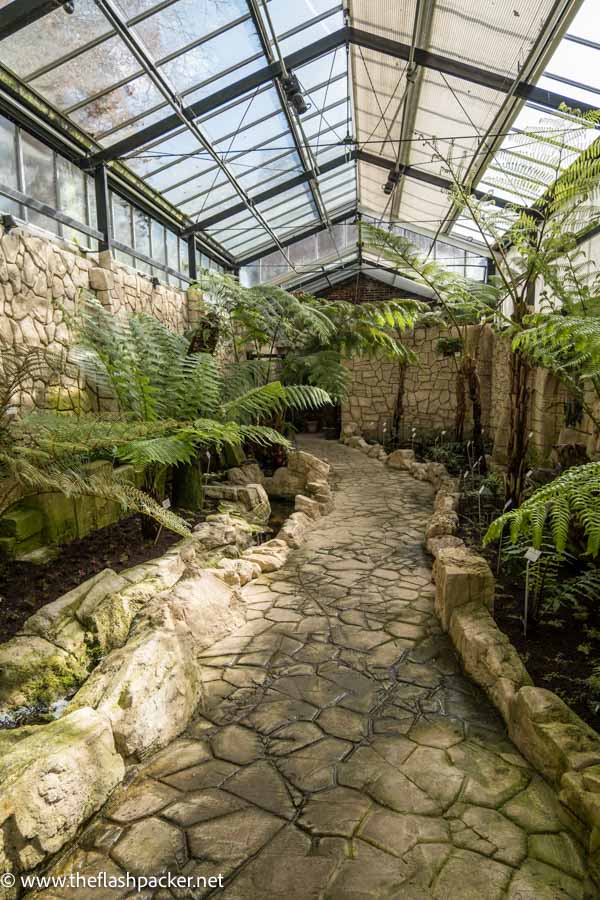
571 501
449 346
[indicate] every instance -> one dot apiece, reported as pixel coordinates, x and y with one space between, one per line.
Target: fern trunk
188 488
399 404
461 407
474 387
517 441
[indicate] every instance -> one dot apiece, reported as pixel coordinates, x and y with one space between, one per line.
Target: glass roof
250 171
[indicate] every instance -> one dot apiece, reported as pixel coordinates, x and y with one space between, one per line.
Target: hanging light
8 222
293 93
393 179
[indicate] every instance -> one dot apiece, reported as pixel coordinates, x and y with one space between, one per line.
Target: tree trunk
155 485
474 386
188 488
518 439
399 404
461 406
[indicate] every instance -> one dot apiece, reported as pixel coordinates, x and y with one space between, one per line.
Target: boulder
147 689
249 473
461 577
349 430
441 523
310 467
223 530
248 501
53 778
310 508
357 442
400 459
446 502
270 556
255 502
35 671
244 569
375 450
488 656
202 606
550 735
434 545
294 528
108 618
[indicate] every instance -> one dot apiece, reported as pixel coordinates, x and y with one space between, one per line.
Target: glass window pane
122 220
8 165
173 256
141 226
184 265
71 194
158 242
91 193
38 168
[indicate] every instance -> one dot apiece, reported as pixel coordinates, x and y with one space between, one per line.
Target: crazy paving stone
338 752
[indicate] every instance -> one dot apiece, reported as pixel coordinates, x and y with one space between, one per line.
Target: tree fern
571 500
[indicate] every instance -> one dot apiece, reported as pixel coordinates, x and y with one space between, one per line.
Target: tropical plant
463 304
34 459
305 339
569 506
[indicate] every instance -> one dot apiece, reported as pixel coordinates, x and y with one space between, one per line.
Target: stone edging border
145 690
558 744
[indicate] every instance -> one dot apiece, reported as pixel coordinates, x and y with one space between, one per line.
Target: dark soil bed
561 650
25 587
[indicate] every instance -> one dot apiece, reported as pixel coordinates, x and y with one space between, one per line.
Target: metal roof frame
55 128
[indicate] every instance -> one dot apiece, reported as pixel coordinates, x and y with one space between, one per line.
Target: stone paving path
339 752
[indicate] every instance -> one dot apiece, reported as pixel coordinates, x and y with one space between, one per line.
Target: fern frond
571 499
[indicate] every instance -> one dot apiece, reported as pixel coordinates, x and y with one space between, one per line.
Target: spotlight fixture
293 93
155 282
393 179
69 6
8 222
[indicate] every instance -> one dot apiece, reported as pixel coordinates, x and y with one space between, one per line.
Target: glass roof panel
180 23
116 107
311 33
286 15
87 74
48 39
212 57
577 63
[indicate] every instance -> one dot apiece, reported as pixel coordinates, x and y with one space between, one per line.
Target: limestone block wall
430 399
429 387
40 282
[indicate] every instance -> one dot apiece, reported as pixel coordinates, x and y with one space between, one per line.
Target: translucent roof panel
493 36
247 142
379 85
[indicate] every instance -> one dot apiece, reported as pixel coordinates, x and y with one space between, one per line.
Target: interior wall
40 283
429 397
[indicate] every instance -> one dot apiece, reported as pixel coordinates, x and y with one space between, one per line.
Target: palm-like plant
531 244
192 399
47 452
464 304
570 501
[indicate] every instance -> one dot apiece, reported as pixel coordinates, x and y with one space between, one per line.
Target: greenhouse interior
300 449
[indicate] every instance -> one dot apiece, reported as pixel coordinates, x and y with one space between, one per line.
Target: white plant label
532 555
166 504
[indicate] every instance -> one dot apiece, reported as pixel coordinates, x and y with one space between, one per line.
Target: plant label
532 555
166 504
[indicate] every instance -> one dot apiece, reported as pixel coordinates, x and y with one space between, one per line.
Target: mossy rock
35 672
